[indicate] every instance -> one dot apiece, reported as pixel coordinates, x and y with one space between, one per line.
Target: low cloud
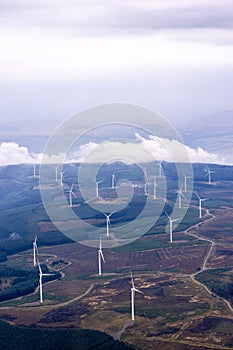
12 153
160 149
163 149
153 148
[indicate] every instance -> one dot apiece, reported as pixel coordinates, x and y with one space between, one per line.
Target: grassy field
174 312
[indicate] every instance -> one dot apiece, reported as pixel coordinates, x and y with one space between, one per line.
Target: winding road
208 255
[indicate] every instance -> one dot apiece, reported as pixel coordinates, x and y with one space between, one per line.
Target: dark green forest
19 338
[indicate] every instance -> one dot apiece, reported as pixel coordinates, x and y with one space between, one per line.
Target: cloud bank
13 153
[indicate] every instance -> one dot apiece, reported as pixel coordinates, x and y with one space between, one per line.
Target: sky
59 57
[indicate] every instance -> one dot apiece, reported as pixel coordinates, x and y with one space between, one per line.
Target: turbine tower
61 178
155 186
35 251
171 227
108 222
56 174
34 170
133 290
209 172
41 275
146 182
100 257
71 194
160 169
113 180
97 187
180 196
185 182
200 204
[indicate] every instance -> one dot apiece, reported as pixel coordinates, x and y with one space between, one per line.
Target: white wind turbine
200 204
113 180
61 178
209 172
133 290
108 222
146 182
171 227
97 187
71 194
56 174
160 169
180 196
185 181
41 275
34 170
155 188
100 257
35 250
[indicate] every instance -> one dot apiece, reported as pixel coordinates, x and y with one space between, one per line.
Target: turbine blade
138 291
132 281
74 194
174 220
197 195
102 255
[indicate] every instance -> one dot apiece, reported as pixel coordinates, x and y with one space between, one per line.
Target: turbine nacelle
133 291
41 275
100 256
108 222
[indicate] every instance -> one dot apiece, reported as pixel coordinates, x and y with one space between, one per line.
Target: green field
174 310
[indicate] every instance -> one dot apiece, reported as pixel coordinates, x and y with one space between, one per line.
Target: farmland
186 285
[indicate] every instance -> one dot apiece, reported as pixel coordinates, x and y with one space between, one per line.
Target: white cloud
12 153
160 149
145 150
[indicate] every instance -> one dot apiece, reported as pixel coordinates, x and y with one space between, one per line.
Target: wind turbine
160 169
180 195
170 226
35 251
155 186
133 290
56 174
61 178
97 187
113 180
41 275
185 181
71 194
146 182
209 172
200 202
34 170
108 222
100 257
